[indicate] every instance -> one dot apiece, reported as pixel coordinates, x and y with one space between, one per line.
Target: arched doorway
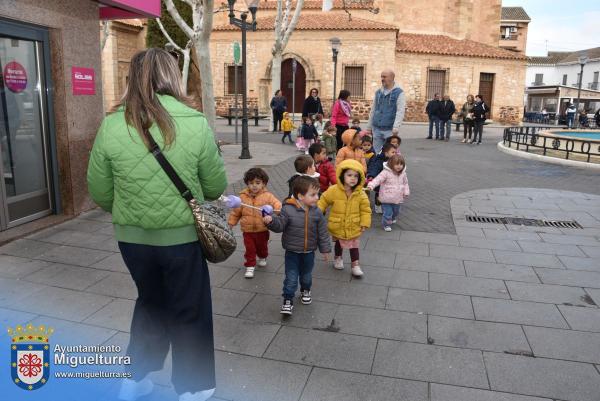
287 85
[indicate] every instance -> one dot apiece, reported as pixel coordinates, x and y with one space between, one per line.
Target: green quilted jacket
125 179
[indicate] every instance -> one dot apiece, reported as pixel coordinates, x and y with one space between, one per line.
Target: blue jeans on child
390 213
297 266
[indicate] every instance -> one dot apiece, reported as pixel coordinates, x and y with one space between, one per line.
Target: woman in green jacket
154 225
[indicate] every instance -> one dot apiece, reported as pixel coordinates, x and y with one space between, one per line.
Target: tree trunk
185 72
208 98
275 77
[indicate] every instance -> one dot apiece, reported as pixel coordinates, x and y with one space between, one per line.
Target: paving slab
113 263
570 345
411 279
220 275
487 243
527 259
570 239
550 378
116 315
553 294
430 363
430 264
461 253
501 271
66 276
17 267
327 384
27 248
72 333
71 255
242 336
399 247
262 283
550 249
444 392
594 294
12 291
483 287
229 302
431 303
349 293
487 336
520 312
431 238
591 251
569 277
576 263
511 235
586 319
323 349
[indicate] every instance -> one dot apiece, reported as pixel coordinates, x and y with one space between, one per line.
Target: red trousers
257 244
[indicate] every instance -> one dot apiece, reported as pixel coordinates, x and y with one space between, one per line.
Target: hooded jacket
287 125
348 214
251 219
392 187
304 229
327 176
347 152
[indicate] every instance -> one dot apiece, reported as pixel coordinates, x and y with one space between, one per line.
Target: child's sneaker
378 209
305 297
197 396
356 271
249 272
394 221
338 263
261 262
287 307
387 229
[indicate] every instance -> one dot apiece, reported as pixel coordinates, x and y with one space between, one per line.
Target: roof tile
514 14
318 5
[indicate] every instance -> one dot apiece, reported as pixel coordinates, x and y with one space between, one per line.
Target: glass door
25 192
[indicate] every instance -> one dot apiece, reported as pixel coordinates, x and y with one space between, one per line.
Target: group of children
319 187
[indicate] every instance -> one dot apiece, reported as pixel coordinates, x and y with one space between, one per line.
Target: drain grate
524 221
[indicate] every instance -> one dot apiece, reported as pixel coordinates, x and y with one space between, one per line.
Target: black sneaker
287 307
305 297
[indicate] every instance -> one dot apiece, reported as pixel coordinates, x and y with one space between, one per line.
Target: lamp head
231 3
336 43
583 59
252 7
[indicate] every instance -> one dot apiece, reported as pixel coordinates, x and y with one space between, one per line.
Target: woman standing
466 112
279 106
340 115
154 225
312 104
479 111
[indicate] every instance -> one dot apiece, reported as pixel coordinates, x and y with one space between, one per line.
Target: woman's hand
267 219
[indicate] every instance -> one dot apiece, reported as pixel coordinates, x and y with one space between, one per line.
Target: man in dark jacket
278 105
433 111
447 109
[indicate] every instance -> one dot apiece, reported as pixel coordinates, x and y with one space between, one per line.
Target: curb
547 159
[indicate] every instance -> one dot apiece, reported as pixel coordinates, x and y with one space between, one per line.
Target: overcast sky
565 25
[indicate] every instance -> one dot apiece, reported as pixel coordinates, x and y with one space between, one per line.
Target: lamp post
335 48
244 26
582 61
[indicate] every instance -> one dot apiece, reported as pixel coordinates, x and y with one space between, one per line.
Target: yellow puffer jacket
348 214
287 125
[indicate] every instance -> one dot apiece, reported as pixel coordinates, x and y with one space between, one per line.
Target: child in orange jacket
352 150
256 234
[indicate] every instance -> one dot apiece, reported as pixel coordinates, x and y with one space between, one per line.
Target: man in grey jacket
387 112
304 230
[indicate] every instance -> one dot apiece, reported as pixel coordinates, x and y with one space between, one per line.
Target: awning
125 9
550 91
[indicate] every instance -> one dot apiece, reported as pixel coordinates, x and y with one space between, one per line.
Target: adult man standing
433 112
387 112
447 109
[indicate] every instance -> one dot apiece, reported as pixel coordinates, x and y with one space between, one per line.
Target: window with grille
354 80
230 80
564 81
539 79
436 83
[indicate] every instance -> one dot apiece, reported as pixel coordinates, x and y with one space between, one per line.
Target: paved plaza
448 310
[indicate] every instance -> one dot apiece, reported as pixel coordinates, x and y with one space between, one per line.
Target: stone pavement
445 312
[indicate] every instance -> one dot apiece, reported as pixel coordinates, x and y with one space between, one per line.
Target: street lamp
582 61
244 26
335 49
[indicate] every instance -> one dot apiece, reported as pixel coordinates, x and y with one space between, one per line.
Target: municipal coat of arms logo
30 355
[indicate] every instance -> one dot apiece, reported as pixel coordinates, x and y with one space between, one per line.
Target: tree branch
207 19
293 22
178 19
166 35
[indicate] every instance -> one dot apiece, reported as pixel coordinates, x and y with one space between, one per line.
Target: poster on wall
15 77
82 80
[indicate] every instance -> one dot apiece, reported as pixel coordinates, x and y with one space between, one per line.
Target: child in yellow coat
287 125
350 212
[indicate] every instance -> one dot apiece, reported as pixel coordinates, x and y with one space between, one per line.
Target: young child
305 166
394 140
319 124
376 166
352 150
325 169
330 142
309 134
367 147
356 124
350 212
256 235
304 230
393 188
287 125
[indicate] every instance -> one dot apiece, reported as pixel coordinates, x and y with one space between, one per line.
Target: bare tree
199 35
105 34
185 70
346 5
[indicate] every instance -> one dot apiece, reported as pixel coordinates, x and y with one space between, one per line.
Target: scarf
346 107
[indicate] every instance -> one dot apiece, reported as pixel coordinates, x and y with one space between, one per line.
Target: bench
252 113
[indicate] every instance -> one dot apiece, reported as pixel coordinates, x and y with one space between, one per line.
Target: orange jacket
347 152
251 219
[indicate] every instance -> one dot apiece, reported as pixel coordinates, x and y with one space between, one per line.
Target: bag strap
184 191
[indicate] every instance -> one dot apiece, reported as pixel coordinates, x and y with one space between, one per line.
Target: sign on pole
236 53
236 62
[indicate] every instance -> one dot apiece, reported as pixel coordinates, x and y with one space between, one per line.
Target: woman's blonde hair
152 71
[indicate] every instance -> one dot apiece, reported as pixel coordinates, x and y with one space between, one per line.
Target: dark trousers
288 135
256 244
173 308
478 130
468 127
354 252
298 266
434 121
338 135
277 117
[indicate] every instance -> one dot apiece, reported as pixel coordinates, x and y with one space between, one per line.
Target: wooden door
486 89
287 85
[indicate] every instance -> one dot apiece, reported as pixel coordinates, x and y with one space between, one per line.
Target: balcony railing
511 37
537 83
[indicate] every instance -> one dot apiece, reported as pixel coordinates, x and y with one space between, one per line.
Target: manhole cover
521 221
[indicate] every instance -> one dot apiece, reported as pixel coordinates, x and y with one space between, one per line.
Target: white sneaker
198 396
356 271
378 209
249 272
394 221
262 262
387 229
338 263
132 390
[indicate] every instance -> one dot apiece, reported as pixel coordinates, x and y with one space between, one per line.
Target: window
564 81
354 80
230 80
535 104
596 73
550 105
578 79
436 83
539 79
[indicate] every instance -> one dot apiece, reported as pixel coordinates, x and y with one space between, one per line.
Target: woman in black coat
279 106
479 116
312 104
